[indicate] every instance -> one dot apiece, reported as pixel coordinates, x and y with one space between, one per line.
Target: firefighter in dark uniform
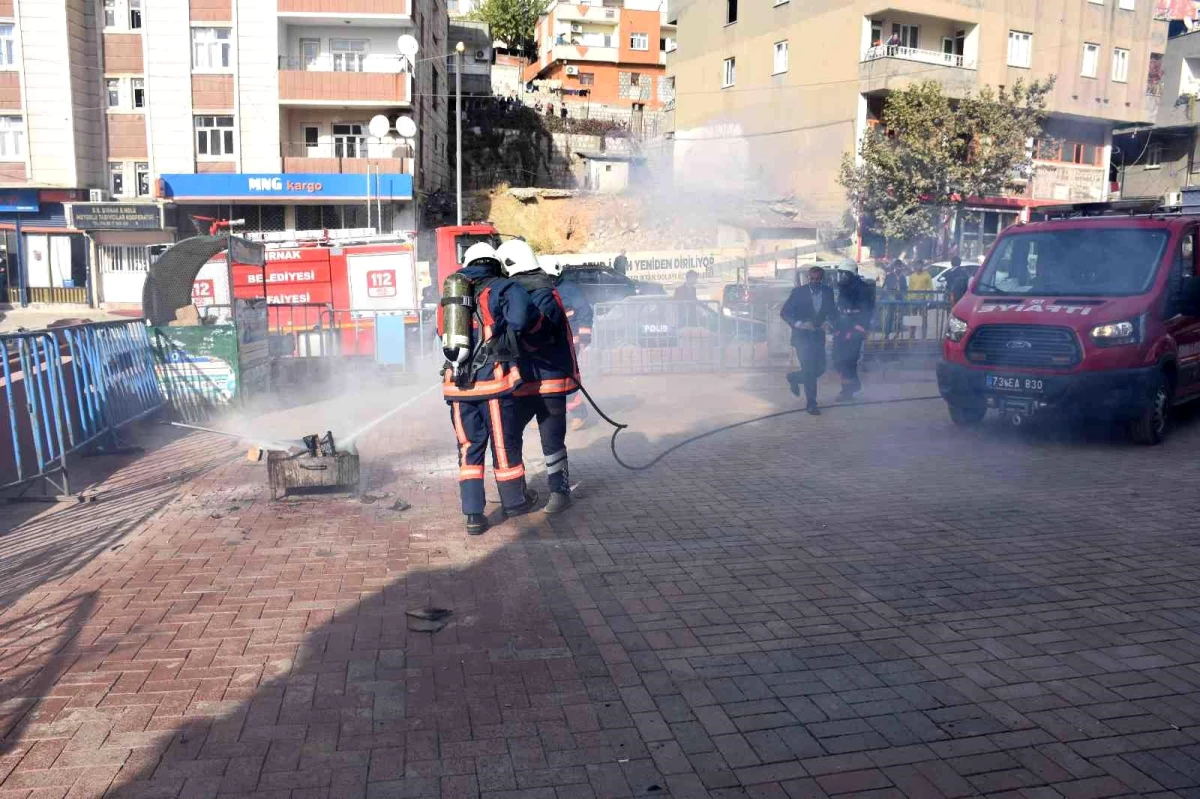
856 306
551 371
480 376
579 316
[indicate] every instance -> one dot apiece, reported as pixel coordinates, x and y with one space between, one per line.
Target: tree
511 21
933 153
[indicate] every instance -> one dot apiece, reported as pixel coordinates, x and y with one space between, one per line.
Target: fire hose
691 439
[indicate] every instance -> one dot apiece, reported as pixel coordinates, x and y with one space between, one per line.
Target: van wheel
1152 426
967 415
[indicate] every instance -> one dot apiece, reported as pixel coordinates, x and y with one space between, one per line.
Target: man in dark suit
808 311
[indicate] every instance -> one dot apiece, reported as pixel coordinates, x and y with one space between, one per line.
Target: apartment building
1162 158
250 109
609 54
774 93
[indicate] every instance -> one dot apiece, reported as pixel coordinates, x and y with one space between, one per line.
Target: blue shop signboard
23 201
215 187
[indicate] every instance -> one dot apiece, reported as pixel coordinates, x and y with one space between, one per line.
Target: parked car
601 284
658 322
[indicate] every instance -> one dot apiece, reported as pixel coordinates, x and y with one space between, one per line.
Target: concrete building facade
777 92
605 53
255 109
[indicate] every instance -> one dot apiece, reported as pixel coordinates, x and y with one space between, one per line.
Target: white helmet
551 268
516 257
479 250
848 265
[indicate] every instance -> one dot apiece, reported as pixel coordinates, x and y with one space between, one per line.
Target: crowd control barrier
69 389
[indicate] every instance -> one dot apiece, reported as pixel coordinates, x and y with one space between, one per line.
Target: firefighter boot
477 524
559 501
531 498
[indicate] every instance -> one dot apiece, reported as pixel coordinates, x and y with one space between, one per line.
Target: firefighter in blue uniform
481 319
856 306
579 316
550 362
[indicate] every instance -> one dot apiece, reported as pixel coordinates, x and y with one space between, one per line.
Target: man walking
621 263
479 390
856 305
957 280
809 308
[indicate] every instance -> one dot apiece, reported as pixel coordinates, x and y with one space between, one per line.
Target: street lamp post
458 61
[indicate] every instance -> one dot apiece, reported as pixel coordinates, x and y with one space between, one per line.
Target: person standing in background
809 308
920 279
621 263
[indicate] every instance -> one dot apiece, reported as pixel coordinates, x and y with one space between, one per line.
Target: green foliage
511 21
939 152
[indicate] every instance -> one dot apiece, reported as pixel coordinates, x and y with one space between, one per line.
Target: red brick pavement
869 604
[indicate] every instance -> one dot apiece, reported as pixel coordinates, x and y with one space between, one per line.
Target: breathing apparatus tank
458 300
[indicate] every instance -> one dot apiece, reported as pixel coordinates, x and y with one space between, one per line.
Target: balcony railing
935 57
343 62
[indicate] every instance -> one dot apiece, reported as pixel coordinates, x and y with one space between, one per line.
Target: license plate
1024 385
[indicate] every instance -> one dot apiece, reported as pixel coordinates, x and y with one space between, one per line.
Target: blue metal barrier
68 389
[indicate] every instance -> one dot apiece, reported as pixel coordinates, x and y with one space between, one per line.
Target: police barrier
70 388
322 331
650 335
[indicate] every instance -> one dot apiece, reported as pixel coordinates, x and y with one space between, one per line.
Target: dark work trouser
810 351
551 415
847 350
475 424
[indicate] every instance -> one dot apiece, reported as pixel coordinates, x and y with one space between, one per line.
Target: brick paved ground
868 604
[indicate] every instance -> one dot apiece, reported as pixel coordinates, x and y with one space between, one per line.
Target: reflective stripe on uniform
498 438
556 462
503 382
470 473
514 473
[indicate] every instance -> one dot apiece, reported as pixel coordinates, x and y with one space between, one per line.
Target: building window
587 78
1154 156
135 14
1126 5
349 55
110 13
1068 152
12 138
729 73
1120 65
8 47
312 137
115 258
1020 49
1091 60
139 93
210 49
641 41
113 87
781 58
214 136
348 141
730 11
142 170
909 35
876 32
1097 2
116 179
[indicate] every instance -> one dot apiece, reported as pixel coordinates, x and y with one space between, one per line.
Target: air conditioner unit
481 55
97 196
1173 199
572 70
576 27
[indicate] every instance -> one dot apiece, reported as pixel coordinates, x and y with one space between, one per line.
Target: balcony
582 52
885 68
331 80
343 8
299 157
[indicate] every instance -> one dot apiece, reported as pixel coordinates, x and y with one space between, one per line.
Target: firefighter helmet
480 249
552 268
516 257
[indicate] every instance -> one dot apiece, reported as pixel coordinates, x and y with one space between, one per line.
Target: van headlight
1115 334
956 328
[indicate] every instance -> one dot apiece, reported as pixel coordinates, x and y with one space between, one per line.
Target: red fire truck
334 282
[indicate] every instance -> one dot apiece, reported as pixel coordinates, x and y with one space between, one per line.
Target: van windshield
1082 262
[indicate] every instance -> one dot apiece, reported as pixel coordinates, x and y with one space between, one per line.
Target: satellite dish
406 127
378 126
408 46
